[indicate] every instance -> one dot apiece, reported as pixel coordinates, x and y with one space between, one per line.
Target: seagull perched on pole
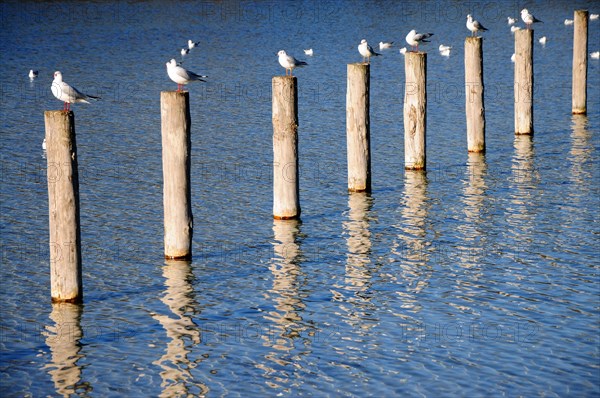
474 26
182 76
68 94
413 38
289 62
528 18
366 51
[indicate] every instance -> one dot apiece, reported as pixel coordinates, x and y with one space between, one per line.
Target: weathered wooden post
286 193
176 147
358 136
524 81
415 110
63 203
474 90
580 49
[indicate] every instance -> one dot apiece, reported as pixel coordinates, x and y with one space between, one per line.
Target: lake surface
479 277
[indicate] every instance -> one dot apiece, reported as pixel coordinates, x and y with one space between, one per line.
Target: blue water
477 278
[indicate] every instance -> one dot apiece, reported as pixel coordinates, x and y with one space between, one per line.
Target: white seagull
512 58
528 18
543 40
445 50
594 17
568 22
192 44
385 45
403 50
413 38
511 21
309 52
289 62
44 144
33 74
68 94
474 26
595 55
513 29
184 52
180 75
366 51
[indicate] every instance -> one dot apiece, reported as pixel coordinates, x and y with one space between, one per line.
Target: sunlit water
478 278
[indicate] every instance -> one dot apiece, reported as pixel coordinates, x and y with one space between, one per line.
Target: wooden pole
286 193
415 110
176 147
580 49
474 90
63 203
358 136
524 81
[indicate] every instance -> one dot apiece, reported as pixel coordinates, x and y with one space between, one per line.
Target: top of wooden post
175 92
473 38
58 113
284 77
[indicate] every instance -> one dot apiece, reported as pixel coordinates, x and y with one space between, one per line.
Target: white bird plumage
568 22
385 45
68 94
445 50
413 38
594 17
33 74
474 26
513 29
595 55
511 21
192 44
366 51
543 40
309 52
528 18
403 50
512 58
289 62
182 76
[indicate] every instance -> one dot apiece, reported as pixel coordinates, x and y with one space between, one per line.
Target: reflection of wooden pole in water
63 339
175 364
285 269
358 240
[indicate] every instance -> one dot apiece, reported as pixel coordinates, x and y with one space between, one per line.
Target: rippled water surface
477 278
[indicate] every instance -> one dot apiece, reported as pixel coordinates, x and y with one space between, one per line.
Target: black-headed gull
289 62
413 38
543 40
192 44
309 52
33 74
385 45
528 18
474 26
595 55
182 76
594 17
68 94
366 51
568 21
511 21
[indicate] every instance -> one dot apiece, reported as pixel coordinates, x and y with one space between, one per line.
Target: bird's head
58 76
281 53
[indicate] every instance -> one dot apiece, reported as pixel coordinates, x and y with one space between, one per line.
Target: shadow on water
63 337
183 332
